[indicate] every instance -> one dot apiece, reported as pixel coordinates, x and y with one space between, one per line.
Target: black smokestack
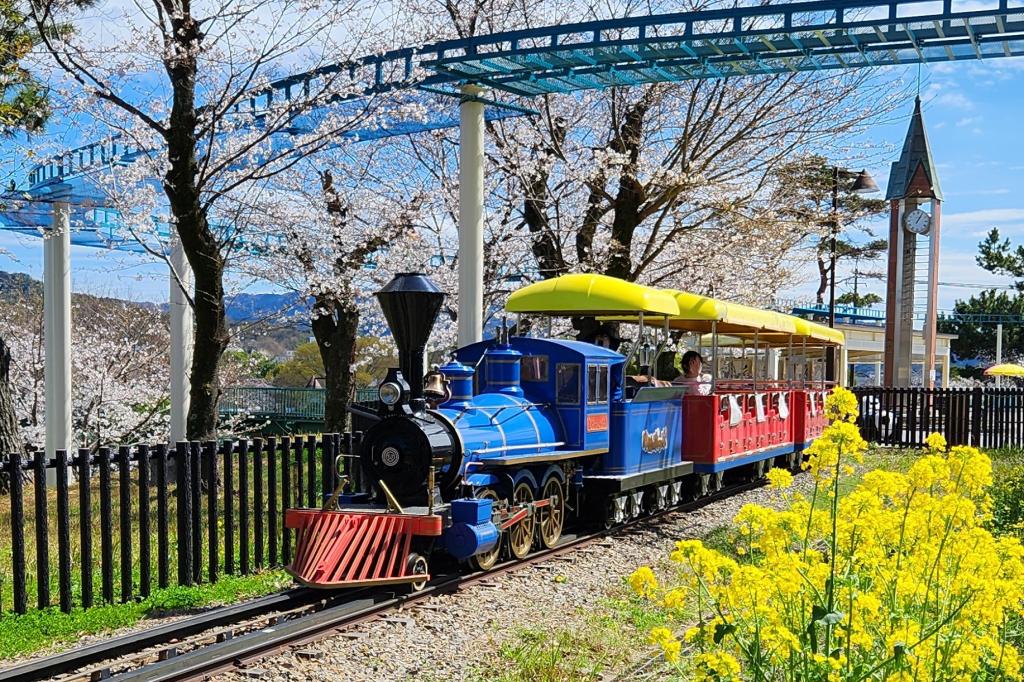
410 303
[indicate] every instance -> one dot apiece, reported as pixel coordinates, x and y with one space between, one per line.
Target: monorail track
220 646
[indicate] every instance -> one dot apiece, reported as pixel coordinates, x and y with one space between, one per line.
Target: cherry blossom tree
185 85
119 369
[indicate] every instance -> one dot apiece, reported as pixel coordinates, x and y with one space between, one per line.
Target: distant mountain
254 307
240 308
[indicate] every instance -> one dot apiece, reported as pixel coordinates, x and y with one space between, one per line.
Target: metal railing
271 402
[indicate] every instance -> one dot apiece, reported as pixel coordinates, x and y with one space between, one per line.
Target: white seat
783 406
762 415
735 411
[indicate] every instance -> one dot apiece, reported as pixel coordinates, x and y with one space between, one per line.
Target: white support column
57 330
945 369
181 340
999 351
471 217
878 374
844 367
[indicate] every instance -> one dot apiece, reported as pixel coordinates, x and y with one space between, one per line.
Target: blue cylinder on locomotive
498 422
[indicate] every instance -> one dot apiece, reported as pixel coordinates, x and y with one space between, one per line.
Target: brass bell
435 386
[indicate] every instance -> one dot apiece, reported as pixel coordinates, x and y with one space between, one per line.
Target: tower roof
914 174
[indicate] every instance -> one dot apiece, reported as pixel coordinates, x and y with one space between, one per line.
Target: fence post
144 539
272 500
326 466
106 528
975 429
63 532
183 492
85 522
161 517
286 496
124 499
311 465
42 532
196 488
298 446
243 506
210 455
18 534
229 507
257 501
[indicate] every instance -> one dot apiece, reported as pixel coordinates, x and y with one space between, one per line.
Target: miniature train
517 437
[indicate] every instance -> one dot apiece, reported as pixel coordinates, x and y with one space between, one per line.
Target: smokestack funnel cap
411 302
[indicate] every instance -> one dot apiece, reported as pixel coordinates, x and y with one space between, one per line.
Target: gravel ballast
450 637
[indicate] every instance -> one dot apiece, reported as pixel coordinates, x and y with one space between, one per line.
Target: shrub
1008 503
898 580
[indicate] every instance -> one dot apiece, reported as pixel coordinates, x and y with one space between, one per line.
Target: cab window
534 368
597 384
567 383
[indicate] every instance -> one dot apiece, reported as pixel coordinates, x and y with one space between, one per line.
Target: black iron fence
983 417
116 523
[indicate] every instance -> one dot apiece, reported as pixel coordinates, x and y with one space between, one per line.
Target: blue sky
972 113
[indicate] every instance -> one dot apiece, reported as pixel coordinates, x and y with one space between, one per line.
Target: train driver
691 378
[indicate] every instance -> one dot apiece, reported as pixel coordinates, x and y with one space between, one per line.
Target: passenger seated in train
691 378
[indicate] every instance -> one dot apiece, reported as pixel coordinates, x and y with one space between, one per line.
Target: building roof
914 174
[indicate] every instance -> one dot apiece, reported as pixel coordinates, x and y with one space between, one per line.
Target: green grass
38 630
601 640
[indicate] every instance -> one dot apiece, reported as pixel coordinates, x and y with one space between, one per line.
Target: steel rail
246 649
76 659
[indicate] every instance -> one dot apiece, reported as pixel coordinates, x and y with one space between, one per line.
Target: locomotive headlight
389 393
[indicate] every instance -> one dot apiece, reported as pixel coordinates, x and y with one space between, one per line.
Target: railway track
238 636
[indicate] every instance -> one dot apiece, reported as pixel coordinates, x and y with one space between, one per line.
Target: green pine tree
23 100
977 339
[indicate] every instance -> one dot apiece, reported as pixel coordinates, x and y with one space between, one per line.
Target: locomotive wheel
520 536
701 487
551 518
416 564
795 459
614 511
486 560
757 470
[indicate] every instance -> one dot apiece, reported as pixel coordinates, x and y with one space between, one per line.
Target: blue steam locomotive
503 446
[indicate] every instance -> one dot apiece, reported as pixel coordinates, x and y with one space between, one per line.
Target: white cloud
945 95
967 120
987 217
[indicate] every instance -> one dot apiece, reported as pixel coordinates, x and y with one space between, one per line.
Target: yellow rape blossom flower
936 442
717 667
897 574
667 642
643 582
780 478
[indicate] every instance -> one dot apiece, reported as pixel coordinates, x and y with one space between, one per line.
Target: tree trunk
181 184
630 195
335 336
823 272
10 437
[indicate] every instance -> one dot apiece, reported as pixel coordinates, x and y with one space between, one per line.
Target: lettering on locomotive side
653 442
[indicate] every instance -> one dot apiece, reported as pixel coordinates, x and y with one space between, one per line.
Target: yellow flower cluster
896 580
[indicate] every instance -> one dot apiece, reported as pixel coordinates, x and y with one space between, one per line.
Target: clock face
917 221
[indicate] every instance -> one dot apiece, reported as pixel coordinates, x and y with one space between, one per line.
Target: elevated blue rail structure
629 51
745 41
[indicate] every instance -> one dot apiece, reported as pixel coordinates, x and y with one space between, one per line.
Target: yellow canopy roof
590 294
1007 369
698 313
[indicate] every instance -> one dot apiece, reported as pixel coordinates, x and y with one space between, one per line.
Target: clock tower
915 199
